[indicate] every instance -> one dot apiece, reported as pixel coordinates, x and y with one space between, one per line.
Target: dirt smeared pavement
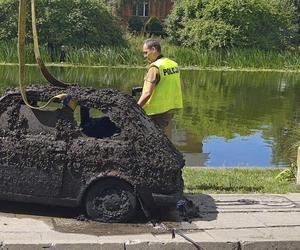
65 220
55 164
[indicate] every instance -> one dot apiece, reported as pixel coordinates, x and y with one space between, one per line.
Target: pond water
229 118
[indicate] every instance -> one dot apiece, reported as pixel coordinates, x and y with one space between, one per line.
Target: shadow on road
38 210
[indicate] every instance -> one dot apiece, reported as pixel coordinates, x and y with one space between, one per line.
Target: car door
101 150
31 165
32 159
91 158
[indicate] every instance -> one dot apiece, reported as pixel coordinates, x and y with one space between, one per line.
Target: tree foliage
227 23
8 19
68 22
297 4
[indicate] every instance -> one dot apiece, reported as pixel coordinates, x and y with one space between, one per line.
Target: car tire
111 200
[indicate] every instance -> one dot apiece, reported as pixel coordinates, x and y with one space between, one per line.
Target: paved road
233 222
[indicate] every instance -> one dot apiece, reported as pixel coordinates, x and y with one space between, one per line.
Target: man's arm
149 88
151 79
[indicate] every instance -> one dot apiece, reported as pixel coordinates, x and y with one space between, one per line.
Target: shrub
182 12
154 26
225 23
211 34
135 24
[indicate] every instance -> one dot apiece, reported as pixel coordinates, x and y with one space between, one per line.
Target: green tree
8 19
297 4
267 24
114 6
68 22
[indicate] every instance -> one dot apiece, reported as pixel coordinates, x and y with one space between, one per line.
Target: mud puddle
164 225
72 220
104 229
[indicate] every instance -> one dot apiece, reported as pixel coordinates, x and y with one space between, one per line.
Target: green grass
235 180
235 58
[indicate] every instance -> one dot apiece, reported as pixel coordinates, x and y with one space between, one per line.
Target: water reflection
239 151
229 118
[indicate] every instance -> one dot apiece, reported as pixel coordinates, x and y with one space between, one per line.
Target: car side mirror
136 90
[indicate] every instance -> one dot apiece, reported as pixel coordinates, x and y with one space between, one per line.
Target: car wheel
111 200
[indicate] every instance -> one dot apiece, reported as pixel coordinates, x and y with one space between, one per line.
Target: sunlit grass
234 58
235 180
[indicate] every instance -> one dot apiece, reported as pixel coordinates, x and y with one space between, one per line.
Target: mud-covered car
107 155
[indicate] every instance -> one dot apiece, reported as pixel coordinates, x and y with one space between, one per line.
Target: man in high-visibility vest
162 94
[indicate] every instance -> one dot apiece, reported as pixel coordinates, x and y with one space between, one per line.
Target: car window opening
53 113
50 118
95 124
46 120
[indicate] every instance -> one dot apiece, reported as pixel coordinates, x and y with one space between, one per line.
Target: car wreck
111 165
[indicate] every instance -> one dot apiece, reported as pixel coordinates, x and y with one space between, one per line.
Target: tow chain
21 55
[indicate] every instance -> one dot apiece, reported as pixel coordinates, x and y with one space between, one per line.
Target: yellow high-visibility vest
167 93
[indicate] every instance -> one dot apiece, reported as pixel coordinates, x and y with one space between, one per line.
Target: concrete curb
79 246
248 245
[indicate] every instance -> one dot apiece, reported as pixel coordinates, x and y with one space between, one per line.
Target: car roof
86 96
121 107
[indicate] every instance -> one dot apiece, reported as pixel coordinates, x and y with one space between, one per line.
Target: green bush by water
154 26
230 23
135 24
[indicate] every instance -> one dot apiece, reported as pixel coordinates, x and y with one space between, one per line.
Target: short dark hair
152 43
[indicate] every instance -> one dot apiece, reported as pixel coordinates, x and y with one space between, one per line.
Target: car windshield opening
96 124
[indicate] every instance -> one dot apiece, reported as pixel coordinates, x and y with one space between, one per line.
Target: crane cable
21 56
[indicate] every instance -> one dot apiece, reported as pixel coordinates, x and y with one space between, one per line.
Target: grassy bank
235 180
186 57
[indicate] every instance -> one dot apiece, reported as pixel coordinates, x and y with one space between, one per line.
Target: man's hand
149 88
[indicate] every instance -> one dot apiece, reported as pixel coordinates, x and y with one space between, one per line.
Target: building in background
145 9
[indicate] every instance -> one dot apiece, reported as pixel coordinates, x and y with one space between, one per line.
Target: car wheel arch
99 179
110 199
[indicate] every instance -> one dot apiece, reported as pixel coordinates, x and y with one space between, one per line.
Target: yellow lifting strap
21 55
51 79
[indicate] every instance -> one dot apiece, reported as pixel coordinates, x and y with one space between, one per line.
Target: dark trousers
163 119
